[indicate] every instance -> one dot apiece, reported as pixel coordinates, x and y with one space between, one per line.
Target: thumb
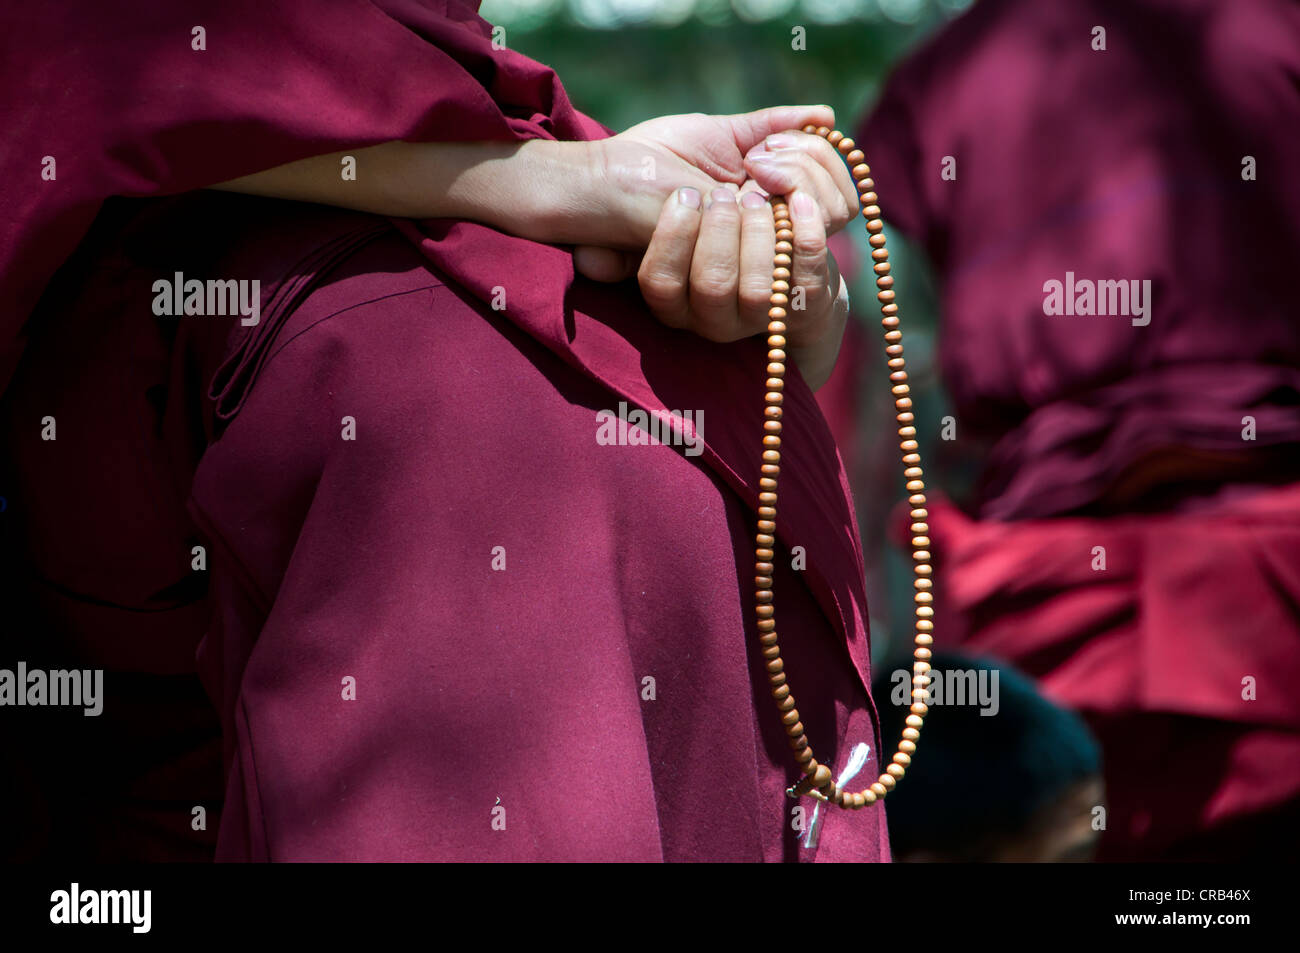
749 129
605 264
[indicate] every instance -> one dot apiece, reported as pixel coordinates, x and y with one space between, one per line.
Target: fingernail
689 197
752 200
762 157
722 195
803 206
781 141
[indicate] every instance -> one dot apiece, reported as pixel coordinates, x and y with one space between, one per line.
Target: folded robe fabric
368 563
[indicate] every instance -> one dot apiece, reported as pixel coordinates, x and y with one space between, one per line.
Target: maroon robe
384 691
1169 616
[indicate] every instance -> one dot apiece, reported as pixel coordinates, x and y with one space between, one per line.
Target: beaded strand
817 780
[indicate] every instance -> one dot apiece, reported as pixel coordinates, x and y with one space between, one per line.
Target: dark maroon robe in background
1124 164
370 559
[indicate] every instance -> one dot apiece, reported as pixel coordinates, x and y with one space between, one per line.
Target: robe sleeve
179 96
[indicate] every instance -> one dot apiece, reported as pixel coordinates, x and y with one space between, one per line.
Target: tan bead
911 734
887 780
822 776
879 790
869 795
855 157
861 172
901 758
907 747
835 137
895 771
843 143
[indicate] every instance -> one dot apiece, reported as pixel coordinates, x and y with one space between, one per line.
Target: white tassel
857 761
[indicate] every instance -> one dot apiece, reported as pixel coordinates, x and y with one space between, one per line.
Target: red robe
1170 618
384 690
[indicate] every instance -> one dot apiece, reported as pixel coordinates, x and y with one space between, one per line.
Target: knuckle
714 286
810 248
661 287
755 293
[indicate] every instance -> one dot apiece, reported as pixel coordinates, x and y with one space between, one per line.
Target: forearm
540 189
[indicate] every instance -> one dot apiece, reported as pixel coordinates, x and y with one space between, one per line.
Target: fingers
810 295
757 247
665 270
709 270
788 162
830 159
715 267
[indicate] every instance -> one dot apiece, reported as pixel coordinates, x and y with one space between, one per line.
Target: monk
1106 194
366 501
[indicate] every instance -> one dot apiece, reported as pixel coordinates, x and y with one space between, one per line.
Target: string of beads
817 780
